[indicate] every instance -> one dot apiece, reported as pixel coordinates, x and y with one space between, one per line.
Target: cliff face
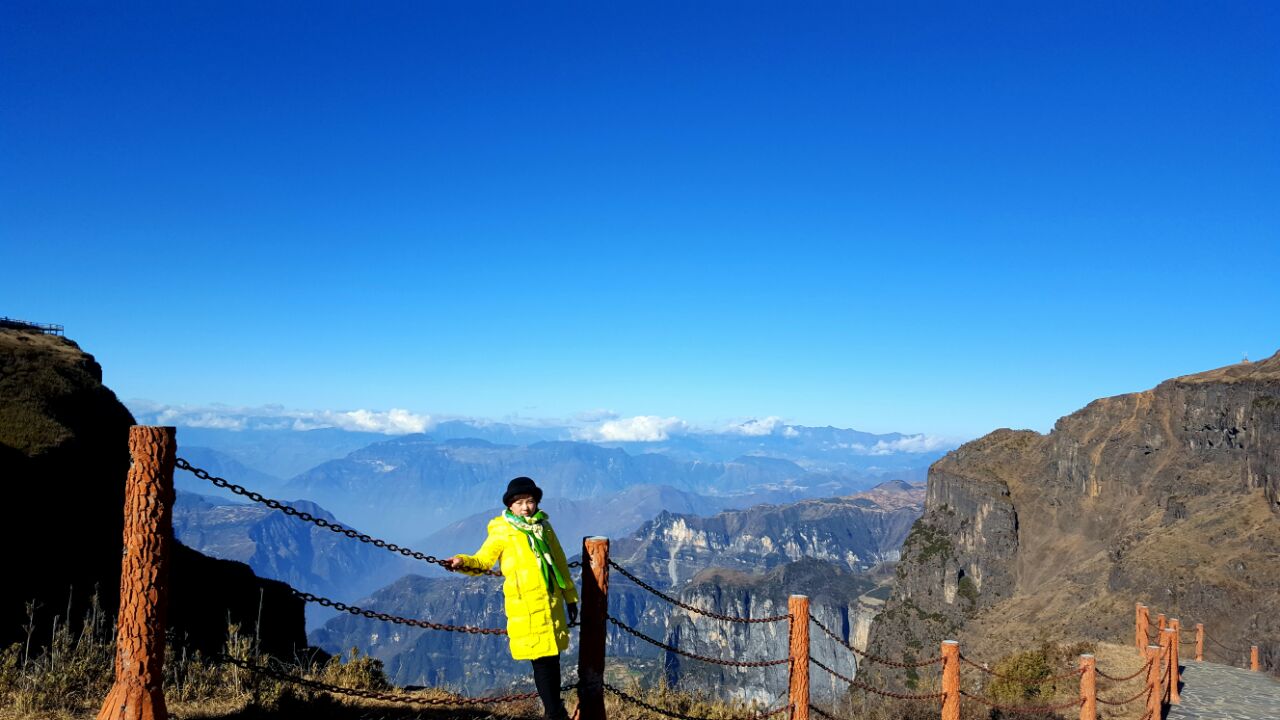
1168 497
857 532
63 460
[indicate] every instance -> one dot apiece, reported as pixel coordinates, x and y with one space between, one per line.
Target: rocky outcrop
63 459
857 532
1167 496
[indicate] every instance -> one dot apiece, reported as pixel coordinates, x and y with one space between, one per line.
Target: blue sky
917 217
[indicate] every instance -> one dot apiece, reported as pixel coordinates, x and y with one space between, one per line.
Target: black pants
546 675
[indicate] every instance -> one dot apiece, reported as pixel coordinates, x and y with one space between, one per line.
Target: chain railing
875 690
1022 681
1022 709
1214 640
728 663
319 521
1141 671
872 658
691 608
386 617
682 716
1143 693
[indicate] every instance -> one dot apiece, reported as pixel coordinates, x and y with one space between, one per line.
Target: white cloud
790 432
911 444
207 419
758 427
641 428
274 417
597 415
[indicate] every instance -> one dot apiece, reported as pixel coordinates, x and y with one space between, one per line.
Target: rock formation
1168 497
63 459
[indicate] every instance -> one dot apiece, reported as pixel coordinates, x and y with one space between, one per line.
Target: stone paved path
1219 692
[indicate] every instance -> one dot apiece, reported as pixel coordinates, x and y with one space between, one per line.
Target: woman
536 585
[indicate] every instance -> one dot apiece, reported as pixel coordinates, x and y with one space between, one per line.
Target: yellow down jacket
536 623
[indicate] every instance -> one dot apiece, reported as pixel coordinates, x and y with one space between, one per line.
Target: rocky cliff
63 460
857 532
1167 496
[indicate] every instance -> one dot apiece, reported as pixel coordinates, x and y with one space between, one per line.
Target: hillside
1167 496
63 459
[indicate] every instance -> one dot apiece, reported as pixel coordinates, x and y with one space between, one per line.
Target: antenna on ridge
1245 361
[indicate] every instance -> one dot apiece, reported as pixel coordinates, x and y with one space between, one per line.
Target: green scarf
533 529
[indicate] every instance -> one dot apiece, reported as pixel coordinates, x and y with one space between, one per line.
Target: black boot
546 675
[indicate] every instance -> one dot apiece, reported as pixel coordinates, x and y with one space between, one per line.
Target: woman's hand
454 563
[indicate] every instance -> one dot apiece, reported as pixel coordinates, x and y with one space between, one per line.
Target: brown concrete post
1154 694
1166 653
1253 658
1199 642
1175 661
798 609
138 692
591 634
1088 688
950 680
1161 624
1142 619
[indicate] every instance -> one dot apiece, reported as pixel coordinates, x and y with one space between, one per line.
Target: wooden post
1199 642
798 609
591 633
1088 688
1253 658
138 692
1142 619
1175 660
1161 624
1154 694
950 680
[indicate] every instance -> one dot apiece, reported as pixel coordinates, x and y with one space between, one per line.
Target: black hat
521 486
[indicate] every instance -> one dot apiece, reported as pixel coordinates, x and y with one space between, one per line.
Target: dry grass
69 679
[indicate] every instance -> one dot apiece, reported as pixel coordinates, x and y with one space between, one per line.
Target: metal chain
681 716
877 691
678 651
374 615
673 601
308 517
1224 647
1025 710
1144 692
373 694
870 657
1141 670
824 713
1022 681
